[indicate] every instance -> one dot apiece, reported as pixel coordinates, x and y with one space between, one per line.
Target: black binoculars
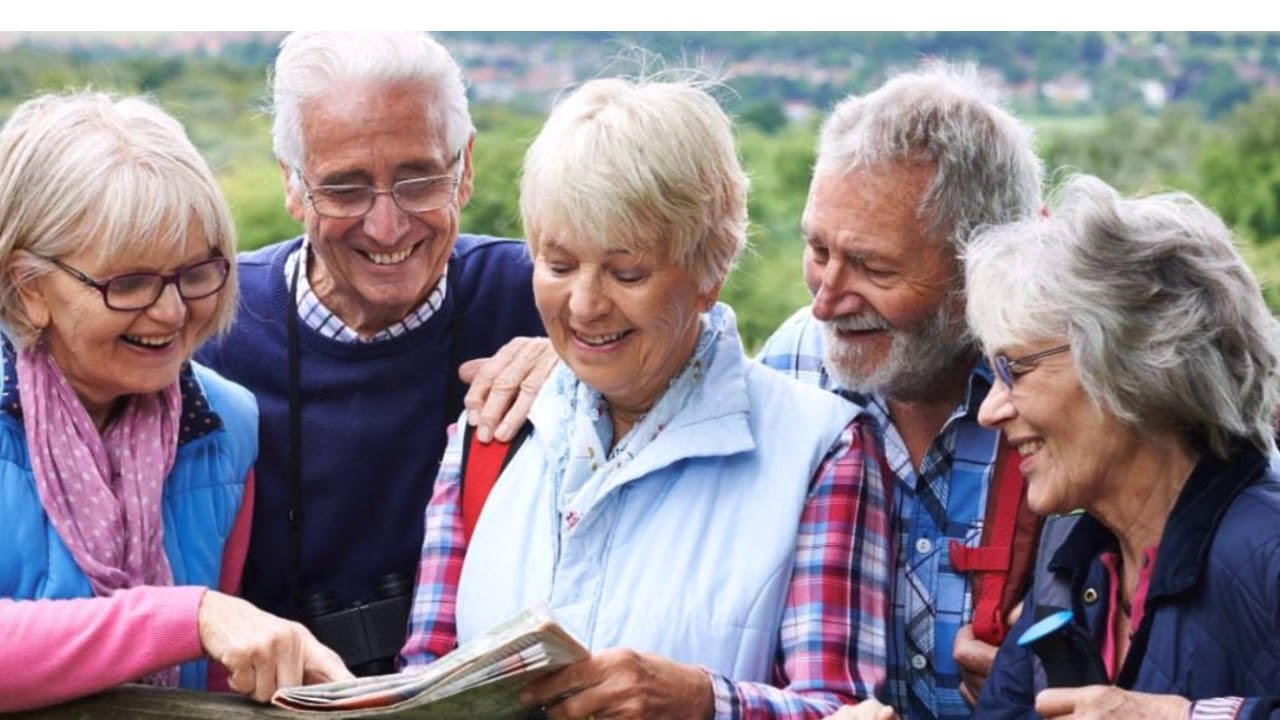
368 635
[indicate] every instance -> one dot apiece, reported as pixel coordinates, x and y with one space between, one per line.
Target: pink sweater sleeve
57 650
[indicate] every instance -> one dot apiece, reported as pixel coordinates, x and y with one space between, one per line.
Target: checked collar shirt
942 500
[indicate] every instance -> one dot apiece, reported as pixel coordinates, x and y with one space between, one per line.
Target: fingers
1016 612
1107 702
969 695
503 387
320 664
1056 702
557 687
261 651
622 684
972 654
866 710
974 658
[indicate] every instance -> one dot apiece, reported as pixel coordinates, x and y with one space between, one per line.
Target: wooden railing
140 702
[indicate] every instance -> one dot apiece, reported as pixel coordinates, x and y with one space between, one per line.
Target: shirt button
923 546
919 662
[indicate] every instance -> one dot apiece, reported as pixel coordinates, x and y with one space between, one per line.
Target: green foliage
767 285
1240 169
255 190
764 116
1129 149
502 136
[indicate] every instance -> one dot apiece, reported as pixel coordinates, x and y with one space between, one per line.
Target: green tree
1240 169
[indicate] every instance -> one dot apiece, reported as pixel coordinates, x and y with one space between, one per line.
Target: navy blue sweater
373 420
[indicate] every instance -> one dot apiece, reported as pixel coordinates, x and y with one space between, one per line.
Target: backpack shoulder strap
482 463
1052 594
1000 567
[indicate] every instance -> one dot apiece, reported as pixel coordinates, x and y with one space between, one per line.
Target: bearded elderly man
903 176
351 335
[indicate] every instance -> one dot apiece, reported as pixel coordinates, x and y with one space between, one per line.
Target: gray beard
917 362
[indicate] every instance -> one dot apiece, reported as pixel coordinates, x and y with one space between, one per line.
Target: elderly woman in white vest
125 469
1137 377
712 531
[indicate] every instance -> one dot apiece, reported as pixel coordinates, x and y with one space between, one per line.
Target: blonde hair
120 175
643 166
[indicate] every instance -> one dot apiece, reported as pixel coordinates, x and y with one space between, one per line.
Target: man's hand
261 651
865 710
503 386
974 658
623 684
1104 702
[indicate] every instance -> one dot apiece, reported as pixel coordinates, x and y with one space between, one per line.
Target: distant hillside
799 73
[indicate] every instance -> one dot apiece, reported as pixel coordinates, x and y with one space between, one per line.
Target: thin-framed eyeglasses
141 290
1008 370
414 195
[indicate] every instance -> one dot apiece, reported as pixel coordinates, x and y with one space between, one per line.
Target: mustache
855 323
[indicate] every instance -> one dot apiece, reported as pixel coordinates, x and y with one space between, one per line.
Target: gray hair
986 168
121 176
310 63
1167 324
643 166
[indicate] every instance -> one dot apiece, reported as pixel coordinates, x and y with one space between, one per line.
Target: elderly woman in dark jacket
1137 378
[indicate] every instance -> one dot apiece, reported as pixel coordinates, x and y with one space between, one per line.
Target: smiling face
375 269
883 289
106 354
625 323
1069 447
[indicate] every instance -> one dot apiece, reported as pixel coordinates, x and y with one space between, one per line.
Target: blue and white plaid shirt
945 499
316 316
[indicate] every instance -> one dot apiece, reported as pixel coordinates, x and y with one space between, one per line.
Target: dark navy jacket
1211 625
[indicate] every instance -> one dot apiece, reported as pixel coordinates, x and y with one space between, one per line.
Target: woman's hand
866 710
1104 702
621 683
261 651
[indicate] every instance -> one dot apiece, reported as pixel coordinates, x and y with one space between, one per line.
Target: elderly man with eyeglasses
351 335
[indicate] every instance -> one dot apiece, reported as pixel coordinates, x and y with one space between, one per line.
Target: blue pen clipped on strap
1069 657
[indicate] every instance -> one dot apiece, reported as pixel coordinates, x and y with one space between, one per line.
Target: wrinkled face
107 354
885 292
375 269
1069 447
624 323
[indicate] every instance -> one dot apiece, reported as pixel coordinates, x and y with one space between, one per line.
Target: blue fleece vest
217 444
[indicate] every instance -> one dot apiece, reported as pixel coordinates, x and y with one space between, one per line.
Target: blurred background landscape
1145 111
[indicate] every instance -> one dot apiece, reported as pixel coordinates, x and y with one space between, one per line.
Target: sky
643 14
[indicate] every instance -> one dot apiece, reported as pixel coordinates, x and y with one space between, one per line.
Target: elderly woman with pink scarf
125 469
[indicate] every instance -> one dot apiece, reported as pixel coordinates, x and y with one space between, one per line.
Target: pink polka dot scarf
102 492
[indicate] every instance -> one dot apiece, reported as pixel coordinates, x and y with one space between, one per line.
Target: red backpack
482 463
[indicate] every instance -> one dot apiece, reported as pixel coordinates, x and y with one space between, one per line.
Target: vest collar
198 419
1189 531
